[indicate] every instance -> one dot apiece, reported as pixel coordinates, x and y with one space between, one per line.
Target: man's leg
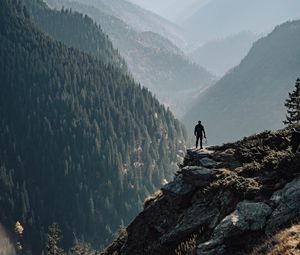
201 143
197 139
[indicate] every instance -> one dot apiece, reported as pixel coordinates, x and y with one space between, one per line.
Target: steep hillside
212 21
138 18
221 55
153 60
74 150
251 97
226 200
74 30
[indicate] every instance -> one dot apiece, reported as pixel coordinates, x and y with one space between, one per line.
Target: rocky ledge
224 200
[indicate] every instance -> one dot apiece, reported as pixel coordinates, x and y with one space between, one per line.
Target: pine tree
293 106
53 240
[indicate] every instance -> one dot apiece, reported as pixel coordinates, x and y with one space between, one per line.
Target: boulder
208 162
178 187
198 176
198 154
287 206
197 216
248 216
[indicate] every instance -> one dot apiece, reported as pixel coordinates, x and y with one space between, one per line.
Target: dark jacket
199 130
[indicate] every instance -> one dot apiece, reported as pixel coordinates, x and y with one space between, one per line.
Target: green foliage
79 138
293 106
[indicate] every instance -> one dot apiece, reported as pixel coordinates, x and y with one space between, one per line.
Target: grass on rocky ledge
266 160
286 242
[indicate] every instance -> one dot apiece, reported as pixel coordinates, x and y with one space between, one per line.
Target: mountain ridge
244 15
153 60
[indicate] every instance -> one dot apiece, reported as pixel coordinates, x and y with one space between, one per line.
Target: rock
208 163
211 248
200 214
178 187
198 176
198 154
248 216
287 206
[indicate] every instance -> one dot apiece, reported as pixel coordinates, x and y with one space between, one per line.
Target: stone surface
198 176
194 153
200 214
178 187
248 216
287 202
208 162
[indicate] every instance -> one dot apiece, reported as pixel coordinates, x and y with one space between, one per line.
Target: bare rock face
178 187
208 162
198 176
248 216
287 202
199 215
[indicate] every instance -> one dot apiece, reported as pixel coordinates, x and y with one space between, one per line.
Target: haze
171 9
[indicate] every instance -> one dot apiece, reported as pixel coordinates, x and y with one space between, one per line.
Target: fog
173 10
206 20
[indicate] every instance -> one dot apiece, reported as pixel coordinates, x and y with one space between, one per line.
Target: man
199 132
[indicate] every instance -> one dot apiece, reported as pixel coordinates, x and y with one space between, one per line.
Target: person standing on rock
199 132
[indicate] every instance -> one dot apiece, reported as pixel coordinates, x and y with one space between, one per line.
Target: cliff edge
239 198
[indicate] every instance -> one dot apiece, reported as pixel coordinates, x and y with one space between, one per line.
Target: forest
82 144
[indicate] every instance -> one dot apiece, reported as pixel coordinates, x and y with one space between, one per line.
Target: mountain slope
220 56
153 60
219 18
138 18
74 149
76 31
227 200
251 97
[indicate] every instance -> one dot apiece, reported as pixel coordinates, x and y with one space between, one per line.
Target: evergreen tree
74 148
293 106
53 240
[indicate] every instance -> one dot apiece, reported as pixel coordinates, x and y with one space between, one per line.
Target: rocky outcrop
287 206
197 176
178 187
248 216
222 200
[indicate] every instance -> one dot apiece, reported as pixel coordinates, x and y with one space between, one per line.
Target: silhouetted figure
295 140
199 132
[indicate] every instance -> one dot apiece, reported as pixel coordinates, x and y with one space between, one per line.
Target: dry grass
188 247
151 199
286 242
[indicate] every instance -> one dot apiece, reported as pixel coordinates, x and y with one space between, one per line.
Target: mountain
75 31
190 9
138 18
250 98
221 55
174 10
219 18
153 60
74 150
237 199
